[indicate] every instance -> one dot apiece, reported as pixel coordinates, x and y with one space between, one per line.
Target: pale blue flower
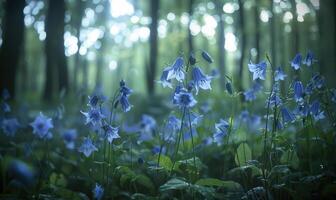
298 91
41 126
287 116
176 70
184 99
296 62
164 78
87 147
200 80
93 116
98 192
10 126
250 95
125 105
315 111
279 74
111 132
69 137
309 60
258 70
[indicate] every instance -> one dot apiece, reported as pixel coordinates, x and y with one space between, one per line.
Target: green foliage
243 154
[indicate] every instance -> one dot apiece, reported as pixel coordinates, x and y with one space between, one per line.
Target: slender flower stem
178 140
192 140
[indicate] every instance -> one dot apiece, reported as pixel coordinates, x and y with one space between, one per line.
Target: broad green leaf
174 184
164 161
145 181
230 185
243 154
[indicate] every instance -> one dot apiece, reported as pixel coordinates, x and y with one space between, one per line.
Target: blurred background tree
51 49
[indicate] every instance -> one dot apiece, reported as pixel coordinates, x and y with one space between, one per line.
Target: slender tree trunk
295 36
257 31
242 45
56 72
190 37
221 43
153 39
273 35
11 49
327 42
77 25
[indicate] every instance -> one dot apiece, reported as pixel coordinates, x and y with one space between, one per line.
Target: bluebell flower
87 147
93 116
298 91
287 116
41 126
206 57
176 70
309 88
173 123
318 81
147 126
10 126
309 59
164 78
221 131
93 101
192 59
5 94
258 70
21 172
156 150
228 87
302 110
184 99
250 95
98 192
200 80
148 123
194 118
124 90
125 105
5 107
279 74
315 111
274 101
69 137
111 132
296 62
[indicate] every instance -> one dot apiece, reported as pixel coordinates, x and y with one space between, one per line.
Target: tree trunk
221 43
56 72
257 31
11 49
153 39
190 37
242 45
295 36
77 25
273 35
326 25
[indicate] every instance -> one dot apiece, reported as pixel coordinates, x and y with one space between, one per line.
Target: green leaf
174 184
145 181
243 154
164 161
230 185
